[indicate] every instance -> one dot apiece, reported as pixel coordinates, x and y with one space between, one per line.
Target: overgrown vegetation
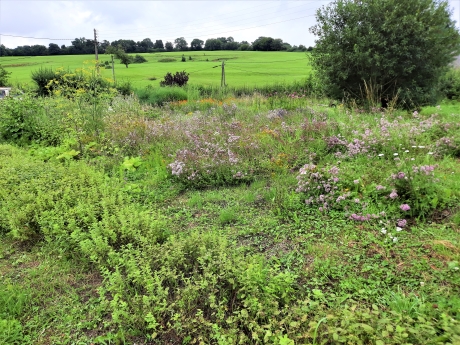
201 215
268 218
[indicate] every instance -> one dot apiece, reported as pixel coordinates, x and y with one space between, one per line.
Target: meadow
242 68
227 219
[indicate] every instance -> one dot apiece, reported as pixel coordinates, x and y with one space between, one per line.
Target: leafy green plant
30 120
131 164
450 84
227 216
4 76
42 78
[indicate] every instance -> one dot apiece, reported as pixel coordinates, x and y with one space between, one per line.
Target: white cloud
166 20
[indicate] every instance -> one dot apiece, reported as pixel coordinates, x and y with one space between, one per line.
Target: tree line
86 46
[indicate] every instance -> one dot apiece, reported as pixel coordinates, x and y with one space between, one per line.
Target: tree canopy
181 43
384 49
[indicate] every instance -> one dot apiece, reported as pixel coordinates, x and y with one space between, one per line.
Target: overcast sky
165 20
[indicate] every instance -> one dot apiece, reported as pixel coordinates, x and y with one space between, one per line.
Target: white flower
421 147
380 154
422 283
395 239
383 231
398 229
414 146
395 154
430 153
406 151
412 159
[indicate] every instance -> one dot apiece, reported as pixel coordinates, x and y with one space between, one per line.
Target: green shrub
450 85
30 119
125 88
139 59
42 78
4 76
178 79
167 60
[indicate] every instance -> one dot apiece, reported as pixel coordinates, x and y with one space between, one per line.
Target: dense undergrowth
259 219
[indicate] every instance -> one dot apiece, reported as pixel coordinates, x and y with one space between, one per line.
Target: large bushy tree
196 44
181 43
384 49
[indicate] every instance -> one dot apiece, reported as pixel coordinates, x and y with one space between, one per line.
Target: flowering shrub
210 159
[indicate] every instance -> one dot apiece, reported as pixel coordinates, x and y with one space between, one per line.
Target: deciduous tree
391 48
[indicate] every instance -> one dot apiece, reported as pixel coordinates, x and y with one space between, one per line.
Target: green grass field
242 68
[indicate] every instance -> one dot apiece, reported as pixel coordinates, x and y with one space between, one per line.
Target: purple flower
393 194
356 181
404 207
402 223
380 187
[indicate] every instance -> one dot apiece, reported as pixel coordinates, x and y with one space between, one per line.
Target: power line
252 27
159 28
40 38
205 31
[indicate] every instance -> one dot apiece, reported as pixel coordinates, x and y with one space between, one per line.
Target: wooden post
113 70
222 79
95 51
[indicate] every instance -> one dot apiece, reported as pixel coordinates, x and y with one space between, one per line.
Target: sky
61 22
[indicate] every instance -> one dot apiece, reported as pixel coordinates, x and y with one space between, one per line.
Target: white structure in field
4 92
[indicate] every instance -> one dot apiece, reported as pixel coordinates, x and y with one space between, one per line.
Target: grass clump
161 96
167 60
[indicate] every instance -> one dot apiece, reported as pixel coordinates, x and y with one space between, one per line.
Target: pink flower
393 194
404 207
402 223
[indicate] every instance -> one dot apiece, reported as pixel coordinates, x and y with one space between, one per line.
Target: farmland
243 68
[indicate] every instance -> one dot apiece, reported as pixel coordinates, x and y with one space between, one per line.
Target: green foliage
380 49
11 332
4 76
450 84
227 216
139 59
167 60
179 79
161 96
125 88
30 120
42 78
120 54
190 214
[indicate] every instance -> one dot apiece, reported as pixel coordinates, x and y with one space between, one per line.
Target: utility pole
95 51
113 70
95 45
222 79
